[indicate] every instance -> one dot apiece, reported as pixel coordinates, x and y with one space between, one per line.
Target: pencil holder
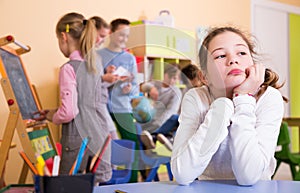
64 183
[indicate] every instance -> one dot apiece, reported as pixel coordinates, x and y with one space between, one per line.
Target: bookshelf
156 45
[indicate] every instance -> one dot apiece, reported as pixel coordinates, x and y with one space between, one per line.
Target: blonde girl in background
80 94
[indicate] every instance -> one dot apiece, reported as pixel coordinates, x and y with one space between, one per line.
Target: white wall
270 27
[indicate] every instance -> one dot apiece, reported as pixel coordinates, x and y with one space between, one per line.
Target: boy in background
121 93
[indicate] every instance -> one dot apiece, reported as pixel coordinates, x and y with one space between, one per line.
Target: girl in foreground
229 127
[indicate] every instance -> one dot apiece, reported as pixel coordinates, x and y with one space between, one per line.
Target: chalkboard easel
22 102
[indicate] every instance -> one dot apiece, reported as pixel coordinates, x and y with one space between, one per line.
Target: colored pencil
101 153
80 155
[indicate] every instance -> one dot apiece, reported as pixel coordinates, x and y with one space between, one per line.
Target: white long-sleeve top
227 139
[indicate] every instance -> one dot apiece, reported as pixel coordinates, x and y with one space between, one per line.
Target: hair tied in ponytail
84 22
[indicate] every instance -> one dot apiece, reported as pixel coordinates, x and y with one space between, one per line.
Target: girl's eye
220 56
242 53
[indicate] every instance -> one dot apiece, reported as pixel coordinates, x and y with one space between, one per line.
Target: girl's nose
233 62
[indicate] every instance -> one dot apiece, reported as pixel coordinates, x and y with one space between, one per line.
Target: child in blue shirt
121 93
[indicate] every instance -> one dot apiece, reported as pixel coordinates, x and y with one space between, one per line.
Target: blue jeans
168 127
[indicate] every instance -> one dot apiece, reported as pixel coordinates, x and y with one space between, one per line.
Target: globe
142 109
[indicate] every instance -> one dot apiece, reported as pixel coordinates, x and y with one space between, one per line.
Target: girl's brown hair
271 78
84 31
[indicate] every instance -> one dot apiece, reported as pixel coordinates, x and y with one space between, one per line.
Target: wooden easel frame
15 120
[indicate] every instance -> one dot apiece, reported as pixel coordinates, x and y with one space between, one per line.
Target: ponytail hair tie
84 22
67 28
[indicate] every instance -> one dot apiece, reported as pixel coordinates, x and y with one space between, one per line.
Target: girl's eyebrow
221 48
244 45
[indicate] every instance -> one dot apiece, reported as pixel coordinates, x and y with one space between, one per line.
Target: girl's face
101 34
120 36
229 57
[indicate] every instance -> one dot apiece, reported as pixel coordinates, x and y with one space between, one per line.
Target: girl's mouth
235 72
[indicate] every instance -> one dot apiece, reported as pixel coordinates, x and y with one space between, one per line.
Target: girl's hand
40 115
44 114
255 75
49 115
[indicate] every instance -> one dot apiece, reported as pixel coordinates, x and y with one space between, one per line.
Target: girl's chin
234 82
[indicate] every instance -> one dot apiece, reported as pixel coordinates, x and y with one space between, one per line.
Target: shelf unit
157 45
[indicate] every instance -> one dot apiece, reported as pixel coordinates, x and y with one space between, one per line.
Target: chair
285 155
122 156
154 160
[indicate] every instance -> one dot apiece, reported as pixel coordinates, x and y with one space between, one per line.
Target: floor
283 173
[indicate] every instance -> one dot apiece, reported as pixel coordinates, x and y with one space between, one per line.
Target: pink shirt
68 109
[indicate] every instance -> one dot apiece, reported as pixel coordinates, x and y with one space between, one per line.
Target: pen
120 191
101 153
80 155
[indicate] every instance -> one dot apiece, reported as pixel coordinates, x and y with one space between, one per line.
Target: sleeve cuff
244 99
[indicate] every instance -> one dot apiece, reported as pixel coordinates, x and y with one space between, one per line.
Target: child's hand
110 69
153 94
44 114
254 79
40 115
126 78
109 77
49 115
127 88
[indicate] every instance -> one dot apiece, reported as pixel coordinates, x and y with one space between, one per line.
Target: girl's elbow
183 182
68 116
182 177
69 119
247 179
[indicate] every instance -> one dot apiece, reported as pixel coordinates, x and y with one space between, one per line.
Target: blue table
213 186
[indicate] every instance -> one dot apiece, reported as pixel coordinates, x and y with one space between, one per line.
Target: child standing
108 78
80 93
121 93
102 29
228 128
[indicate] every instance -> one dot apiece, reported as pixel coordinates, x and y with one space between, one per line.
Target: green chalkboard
19 83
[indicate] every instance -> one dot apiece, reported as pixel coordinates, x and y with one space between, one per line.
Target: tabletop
205 186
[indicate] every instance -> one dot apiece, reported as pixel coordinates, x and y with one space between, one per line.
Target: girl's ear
202 77
64 36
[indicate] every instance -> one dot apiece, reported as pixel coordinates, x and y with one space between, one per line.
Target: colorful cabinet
159 45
